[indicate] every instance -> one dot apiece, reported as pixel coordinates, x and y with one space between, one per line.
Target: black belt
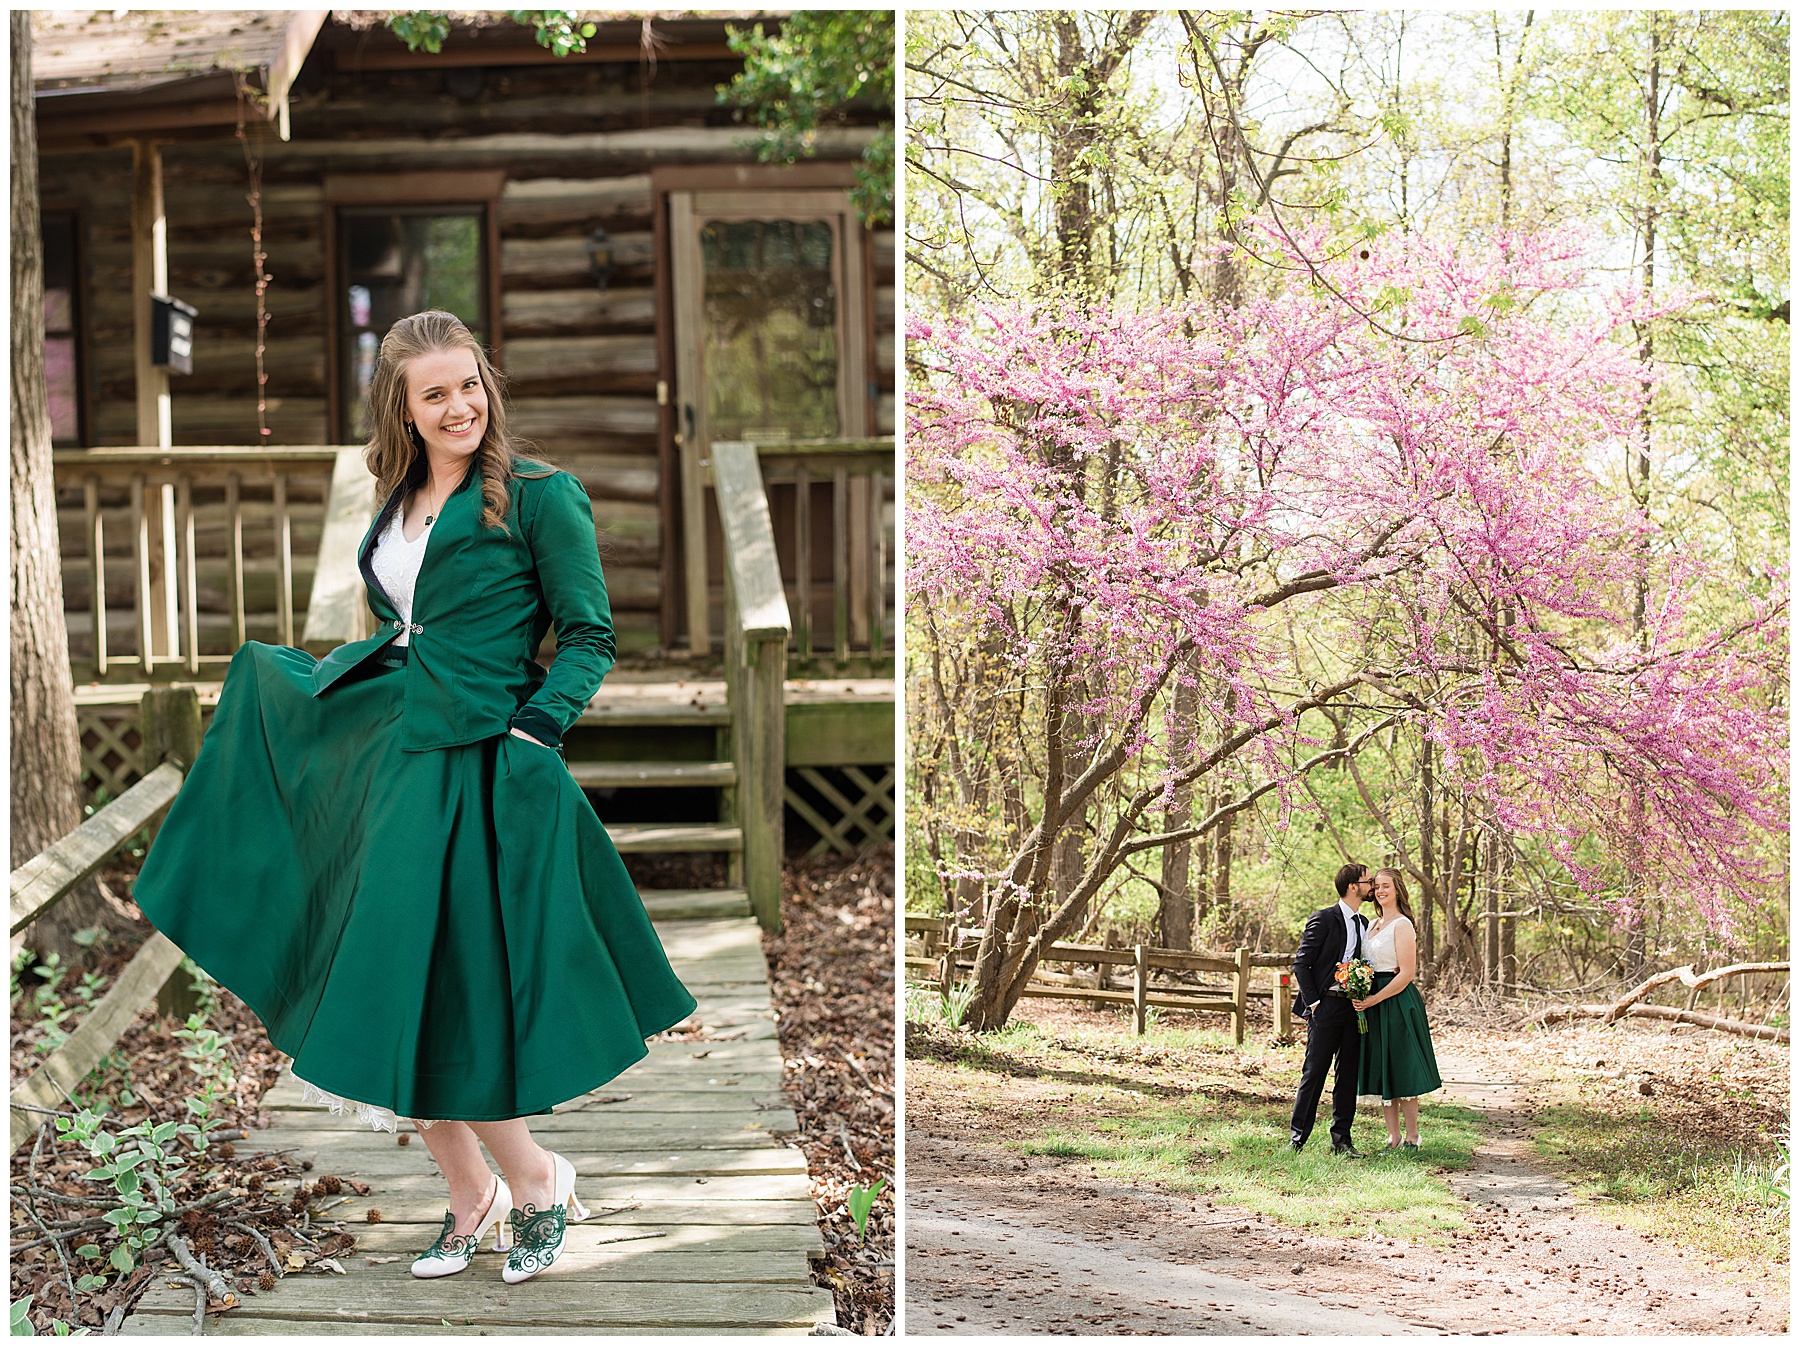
394 656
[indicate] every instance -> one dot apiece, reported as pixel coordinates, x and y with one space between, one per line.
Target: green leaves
421 30
860 1202
558 30
807 76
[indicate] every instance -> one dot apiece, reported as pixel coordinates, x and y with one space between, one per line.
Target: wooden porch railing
835 559
171 719
757 627
196 549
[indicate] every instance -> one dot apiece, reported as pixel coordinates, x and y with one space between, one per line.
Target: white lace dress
396 562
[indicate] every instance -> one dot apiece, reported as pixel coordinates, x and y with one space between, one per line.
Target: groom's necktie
1357 925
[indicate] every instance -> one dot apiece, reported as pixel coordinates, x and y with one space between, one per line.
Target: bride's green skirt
1397 1060
448 934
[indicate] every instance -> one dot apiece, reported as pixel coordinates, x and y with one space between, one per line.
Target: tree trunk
1428 898
1175 918
46 747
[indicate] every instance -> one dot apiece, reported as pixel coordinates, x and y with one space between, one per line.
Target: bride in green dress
381 851
1397 1063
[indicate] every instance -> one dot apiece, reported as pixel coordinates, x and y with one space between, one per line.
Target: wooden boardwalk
702 1220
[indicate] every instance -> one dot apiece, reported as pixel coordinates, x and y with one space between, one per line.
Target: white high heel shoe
538 1234
453 1252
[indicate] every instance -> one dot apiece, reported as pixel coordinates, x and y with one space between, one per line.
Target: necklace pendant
430 519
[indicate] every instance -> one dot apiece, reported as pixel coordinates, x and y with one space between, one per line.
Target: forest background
1197 174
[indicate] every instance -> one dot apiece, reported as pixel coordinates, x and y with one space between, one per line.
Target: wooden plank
392 1236
69 1064
673 1307
45 878
174 1325
641 1260
116 463
623 775
558 312
544 417
284 563
336 607
682 903
749 542
775 1199
529 261
573 200
348 1153
839 734
591 150
533 360
656 838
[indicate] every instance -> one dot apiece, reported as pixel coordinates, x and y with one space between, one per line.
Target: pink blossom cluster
1400 454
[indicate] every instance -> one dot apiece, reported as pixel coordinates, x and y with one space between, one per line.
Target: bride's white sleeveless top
1378 946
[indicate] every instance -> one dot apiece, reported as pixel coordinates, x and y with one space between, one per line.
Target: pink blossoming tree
1373 500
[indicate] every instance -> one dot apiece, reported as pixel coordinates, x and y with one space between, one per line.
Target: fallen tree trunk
1688 978
1610 1013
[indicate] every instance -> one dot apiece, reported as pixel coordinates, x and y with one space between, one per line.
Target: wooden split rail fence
947 954
171 729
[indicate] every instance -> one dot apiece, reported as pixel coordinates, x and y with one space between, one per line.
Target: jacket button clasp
399 625
418 630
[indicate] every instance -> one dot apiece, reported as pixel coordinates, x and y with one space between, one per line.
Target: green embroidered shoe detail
537 1237
450 1245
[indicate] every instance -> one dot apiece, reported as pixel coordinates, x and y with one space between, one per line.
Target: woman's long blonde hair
395 454
1400 898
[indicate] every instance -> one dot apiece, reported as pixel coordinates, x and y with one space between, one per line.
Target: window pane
62 372
397 264
61 377
770 329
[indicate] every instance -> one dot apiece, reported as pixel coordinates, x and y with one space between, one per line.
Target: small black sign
172 334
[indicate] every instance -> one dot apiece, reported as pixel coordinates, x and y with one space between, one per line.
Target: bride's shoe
452 1252
538 1234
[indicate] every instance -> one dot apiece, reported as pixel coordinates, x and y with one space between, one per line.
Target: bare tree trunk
1428 898
1635 950
46 748
1175 918
1490 934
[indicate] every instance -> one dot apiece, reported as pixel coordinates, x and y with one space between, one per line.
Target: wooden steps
702 1219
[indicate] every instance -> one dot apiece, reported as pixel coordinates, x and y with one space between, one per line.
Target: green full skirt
1397 1060
446 934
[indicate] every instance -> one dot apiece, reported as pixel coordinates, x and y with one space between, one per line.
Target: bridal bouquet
1358 981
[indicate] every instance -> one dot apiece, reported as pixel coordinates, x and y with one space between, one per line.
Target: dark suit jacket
1321 950
484 600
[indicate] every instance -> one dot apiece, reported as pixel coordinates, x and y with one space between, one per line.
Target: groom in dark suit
1332 936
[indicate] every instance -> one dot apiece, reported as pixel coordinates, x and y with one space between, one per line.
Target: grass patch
1189 1110
1237 1151
1727 1203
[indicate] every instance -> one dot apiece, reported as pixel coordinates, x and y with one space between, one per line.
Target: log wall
577 143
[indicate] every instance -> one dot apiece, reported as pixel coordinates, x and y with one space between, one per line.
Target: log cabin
704 338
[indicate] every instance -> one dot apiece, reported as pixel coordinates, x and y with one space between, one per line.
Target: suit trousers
1331 1036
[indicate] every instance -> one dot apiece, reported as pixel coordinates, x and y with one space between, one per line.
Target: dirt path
1000 1244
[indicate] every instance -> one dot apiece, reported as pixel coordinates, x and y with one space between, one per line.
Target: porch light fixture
172 334
600 257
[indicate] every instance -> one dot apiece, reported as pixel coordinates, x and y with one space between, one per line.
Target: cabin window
62 356
770 327
394 263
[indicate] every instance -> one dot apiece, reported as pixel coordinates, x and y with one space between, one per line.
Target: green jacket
483 602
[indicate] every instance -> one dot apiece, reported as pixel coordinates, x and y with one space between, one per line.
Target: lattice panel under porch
849 807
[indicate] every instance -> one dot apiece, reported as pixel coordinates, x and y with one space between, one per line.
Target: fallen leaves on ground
269 1193
832 970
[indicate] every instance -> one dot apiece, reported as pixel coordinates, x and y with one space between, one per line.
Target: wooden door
769 335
